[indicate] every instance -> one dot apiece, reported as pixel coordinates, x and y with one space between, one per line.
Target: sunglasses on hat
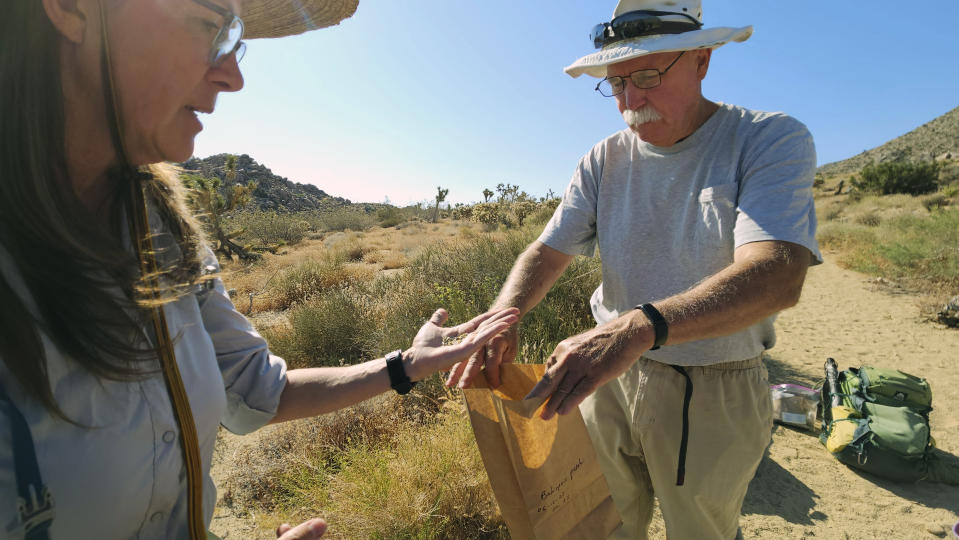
640 23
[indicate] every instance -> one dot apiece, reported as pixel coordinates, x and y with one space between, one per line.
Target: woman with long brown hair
121 352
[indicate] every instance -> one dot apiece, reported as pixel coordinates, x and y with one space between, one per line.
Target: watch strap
660 327
399 380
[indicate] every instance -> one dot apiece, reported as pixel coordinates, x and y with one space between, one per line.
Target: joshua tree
229 168
440 197
205 198
507 193
487 193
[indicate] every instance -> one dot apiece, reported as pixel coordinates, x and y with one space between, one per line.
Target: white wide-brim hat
595 64
279 18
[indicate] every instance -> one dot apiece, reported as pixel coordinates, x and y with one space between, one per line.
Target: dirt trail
800 491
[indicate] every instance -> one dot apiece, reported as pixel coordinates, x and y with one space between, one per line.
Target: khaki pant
635 422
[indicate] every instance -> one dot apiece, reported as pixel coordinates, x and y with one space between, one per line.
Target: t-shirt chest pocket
717 214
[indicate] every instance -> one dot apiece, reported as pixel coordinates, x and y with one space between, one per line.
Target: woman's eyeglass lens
228 41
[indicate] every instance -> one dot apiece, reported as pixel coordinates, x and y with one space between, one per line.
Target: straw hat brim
279 18
595 64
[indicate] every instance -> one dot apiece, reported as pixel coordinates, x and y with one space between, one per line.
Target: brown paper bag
544 474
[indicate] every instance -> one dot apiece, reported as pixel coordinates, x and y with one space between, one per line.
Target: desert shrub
314 277
924 249
918 250
544 211
488 213
263 477
269 228
466 279
342 219
461 211
414 481
845 237
352 250
830 212
522 209
390 217
335 328
935 201
898 177
869 219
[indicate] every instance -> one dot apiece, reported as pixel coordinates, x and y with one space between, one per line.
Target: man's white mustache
640 116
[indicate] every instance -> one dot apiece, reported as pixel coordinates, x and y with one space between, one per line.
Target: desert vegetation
352 284
393 467
899 222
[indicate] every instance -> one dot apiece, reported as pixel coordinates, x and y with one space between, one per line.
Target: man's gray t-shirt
666 218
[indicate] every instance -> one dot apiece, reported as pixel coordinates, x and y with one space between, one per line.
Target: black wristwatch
399 381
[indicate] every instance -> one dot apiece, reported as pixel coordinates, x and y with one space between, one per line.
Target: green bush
390 217
336 328
316 277
269 228
342 219
918 250
898 177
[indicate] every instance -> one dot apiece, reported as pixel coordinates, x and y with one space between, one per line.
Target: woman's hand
428 355
308 530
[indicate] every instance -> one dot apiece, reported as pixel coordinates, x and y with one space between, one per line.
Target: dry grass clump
430 484
912 240
340 326
391 467
386 259
261 478
869 219
315 277
371 474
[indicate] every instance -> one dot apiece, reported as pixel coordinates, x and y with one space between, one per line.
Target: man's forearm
766 278
532 276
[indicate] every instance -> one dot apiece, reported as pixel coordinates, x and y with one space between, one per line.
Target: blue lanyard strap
34 501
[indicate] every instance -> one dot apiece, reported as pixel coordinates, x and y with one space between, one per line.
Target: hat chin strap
146 254
110 96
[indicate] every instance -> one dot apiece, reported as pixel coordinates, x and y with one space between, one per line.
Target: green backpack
877 420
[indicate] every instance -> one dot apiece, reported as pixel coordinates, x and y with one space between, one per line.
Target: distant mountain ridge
925 143
272 192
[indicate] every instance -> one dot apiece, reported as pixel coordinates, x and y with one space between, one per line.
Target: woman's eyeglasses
229 39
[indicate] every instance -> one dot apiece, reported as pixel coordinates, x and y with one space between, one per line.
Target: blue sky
406 96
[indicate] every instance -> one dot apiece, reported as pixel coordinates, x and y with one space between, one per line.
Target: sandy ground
800 491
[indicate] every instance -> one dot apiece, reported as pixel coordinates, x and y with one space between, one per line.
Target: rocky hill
925 143
272 192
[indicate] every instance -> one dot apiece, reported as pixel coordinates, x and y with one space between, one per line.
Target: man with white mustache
703 215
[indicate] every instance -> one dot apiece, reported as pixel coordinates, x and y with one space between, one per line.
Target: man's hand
308 530
584 362
500 350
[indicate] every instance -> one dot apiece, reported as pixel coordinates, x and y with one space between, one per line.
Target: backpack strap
34 501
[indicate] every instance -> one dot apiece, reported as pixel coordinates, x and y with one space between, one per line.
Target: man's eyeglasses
229 39
644 78
640 23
